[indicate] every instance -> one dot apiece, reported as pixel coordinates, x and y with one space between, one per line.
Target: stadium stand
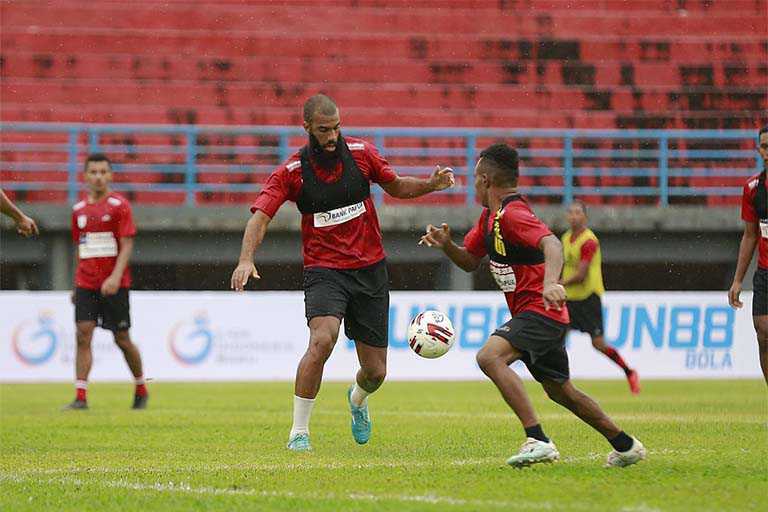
602 64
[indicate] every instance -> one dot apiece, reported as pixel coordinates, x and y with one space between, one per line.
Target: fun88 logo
191 341
703 332
34 341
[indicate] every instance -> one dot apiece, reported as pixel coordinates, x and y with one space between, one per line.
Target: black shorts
110 312
360 297
542 343
587 315
760 292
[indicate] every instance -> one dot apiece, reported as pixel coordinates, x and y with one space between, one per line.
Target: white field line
212 468
184 488
557 416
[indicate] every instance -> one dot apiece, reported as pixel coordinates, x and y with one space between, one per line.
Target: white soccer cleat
622 459
534 451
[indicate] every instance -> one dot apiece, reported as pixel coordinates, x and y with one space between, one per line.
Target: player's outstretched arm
254 235
746 250
25 225
441 238
408 187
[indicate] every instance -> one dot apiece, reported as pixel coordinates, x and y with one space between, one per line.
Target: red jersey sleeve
381 171
275 192
474 241
125 226
520 226
748 213
588 250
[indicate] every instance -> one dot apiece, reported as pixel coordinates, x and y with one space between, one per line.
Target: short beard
324 158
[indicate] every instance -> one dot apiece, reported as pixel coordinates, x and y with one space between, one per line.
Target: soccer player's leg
86 316
760 316
598 342
116 317
367 322
587 316
494 360
627 450
323 332
373 370
325 301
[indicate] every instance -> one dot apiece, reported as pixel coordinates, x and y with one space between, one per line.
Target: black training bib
350 189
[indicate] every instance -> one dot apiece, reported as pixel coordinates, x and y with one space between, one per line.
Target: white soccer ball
431 334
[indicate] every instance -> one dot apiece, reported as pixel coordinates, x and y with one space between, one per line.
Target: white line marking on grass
288 466
181 487
675 417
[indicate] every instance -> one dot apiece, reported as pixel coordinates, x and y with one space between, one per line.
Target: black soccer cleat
76 405
140 402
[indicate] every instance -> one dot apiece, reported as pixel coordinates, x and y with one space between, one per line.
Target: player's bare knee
555 391
486 360
375 374
123 340
320 345
761 329
84 334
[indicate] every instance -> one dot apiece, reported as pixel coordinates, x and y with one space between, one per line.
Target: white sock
81 384
359 396
302 410
139 380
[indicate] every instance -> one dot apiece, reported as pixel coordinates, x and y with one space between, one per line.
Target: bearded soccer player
525 261
583 282
754 213
345 273
103 230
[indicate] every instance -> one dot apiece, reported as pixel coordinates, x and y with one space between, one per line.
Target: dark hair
581 204
321 103
97 157
502 163
763 130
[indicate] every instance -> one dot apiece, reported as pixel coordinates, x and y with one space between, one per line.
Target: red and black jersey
519 273
749 213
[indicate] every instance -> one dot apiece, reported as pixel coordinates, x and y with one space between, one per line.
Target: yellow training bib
593 282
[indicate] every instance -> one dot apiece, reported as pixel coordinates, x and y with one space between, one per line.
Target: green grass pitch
437 446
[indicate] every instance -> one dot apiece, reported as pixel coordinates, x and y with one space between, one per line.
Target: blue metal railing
561 164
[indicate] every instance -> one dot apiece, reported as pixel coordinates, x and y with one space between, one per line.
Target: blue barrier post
93 140
191 172
663 171
469 186
283 148
72 166
567 169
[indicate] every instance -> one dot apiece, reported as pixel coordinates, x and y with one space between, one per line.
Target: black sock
621 442
536 433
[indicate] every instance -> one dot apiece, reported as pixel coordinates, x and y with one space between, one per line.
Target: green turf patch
435 446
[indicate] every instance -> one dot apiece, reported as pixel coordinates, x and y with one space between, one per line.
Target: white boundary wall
200 336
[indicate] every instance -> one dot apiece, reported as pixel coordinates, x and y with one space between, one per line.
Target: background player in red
25 225
583 281
345 273
525 261
754 213
103 231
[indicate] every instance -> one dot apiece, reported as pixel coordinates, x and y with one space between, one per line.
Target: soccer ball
431 334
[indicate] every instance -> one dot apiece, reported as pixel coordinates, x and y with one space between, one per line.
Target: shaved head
319 104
